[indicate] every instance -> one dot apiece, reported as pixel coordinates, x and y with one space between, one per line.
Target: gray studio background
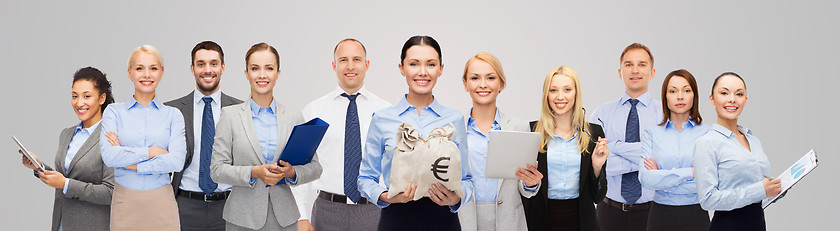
786 51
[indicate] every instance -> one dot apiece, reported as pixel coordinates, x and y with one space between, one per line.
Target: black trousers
750 217
613 219
200 215
421 214
671 217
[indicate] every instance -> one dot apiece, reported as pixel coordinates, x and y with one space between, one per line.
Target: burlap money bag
425 161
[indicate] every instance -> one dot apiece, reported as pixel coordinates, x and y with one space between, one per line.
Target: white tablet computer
26 153
509 151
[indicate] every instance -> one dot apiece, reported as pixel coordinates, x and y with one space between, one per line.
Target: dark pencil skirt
670 217
750 217
563 215
421 214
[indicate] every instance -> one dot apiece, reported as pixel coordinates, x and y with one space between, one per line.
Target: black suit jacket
185 104
591 189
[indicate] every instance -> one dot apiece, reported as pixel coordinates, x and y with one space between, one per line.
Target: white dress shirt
332 108
189 182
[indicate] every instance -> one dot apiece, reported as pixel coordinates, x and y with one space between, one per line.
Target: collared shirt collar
686 124
88 130
645 99
255 109
496 121
728 133
435 107
133 103
197 96
336 93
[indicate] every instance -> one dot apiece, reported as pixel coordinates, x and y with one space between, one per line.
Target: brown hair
636 46
725 74
261 47
694 113
207 45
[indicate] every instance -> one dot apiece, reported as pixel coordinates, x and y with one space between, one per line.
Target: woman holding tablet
730 164
420 64
249 139
668 152
83 184
573 155
143 140
497 204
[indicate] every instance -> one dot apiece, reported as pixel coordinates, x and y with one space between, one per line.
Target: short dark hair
725 74
260 47
99 80
207 45
420 40
636 46
349 39
694 113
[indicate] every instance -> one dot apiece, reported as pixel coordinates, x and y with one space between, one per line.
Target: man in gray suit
200 200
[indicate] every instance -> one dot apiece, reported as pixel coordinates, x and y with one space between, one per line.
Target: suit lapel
250 132
64 143
186 107
92 141
282 132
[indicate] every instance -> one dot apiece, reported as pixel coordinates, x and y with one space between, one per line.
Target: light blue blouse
673 152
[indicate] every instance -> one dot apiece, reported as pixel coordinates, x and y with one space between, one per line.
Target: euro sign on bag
425 161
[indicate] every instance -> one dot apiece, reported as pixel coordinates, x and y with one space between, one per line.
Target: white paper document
794 174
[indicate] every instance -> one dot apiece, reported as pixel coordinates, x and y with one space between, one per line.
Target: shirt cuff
66 185
531 189
293 181
252 180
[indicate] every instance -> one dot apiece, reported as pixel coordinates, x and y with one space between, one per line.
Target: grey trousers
328 215
199 215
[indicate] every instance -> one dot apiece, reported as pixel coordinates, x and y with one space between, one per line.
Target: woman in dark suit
572 158
83 184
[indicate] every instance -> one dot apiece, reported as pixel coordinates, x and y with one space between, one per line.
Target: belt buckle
625 207
205 198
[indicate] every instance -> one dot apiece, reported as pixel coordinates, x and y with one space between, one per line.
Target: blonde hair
148 49
545 126
489 59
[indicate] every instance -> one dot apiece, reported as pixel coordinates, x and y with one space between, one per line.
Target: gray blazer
509 212
185 104
236 149
87 204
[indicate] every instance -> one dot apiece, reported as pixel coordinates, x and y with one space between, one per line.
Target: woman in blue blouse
497 204
83 184
143 140
668 151
730 164
573 156
420 64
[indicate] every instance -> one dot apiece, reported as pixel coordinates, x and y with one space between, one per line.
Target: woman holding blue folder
246 151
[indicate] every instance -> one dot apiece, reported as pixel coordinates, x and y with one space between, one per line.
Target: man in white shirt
200 200
333 202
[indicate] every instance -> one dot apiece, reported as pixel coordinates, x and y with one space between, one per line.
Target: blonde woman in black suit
83 184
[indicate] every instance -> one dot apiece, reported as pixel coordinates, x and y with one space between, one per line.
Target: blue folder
303 142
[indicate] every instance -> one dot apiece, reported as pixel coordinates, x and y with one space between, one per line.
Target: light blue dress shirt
265 125
728 175
381 138
138 128
673 152
80 136
625 157
485 188
189 181
563 158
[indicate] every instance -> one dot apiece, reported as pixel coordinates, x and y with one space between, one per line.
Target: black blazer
592 190
185 104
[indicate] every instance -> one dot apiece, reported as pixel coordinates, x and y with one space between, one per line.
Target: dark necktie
352 149
208 131
631 189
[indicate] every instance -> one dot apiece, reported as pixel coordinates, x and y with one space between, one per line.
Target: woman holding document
421 65
730 165
246 152
573 155
143 140
668 152
497 204
83 184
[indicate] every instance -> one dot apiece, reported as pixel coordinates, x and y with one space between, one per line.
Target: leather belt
627 207
216 196
339 198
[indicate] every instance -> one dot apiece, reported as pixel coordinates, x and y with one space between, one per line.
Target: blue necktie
352 149
208 131
631 189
